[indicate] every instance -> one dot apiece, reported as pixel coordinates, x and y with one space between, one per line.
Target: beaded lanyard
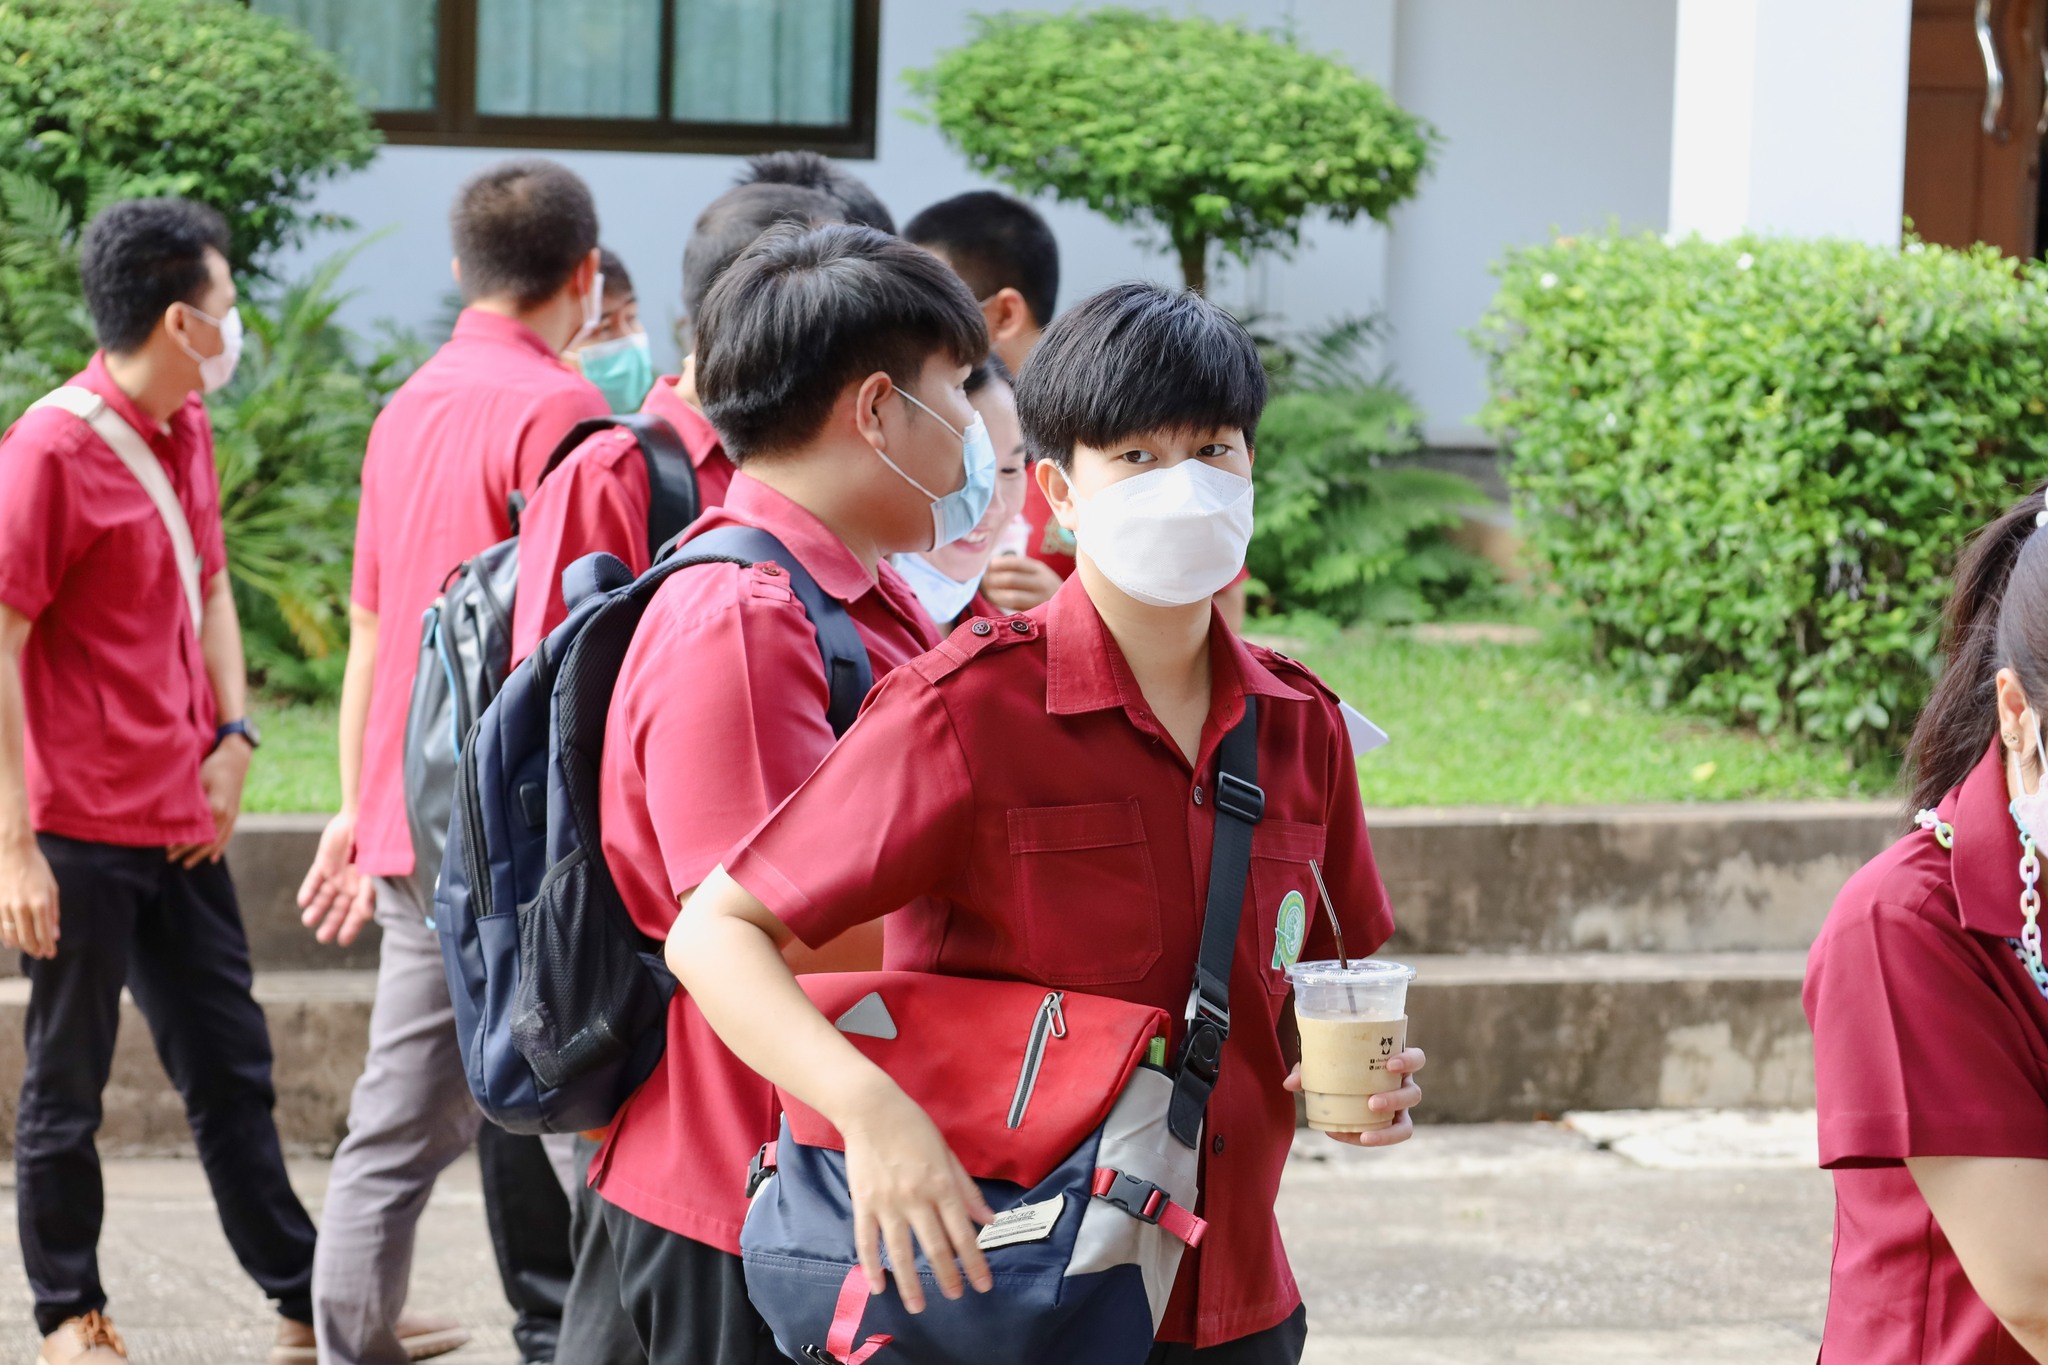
2028 944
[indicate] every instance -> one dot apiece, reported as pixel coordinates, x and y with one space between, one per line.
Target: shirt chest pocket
1087 899
1284 903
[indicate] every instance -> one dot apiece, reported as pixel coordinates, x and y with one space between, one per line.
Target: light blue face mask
945 598
622 369
955 514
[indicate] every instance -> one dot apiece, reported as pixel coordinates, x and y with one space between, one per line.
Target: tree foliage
198 98
1207 132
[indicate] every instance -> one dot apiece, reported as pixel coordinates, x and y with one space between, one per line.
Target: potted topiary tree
1207 132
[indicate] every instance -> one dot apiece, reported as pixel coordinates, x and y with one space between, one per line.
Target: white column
1789 116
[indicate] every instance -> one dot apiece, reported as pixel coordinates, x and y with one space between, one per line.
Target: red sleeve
1919 1046
725 710
1348 863
36 524
547 422
873 828
596 500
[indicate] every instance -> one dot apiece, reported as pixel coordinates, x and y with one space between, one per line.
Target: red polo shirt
1929 1039
597 500
473 425
120 710
719 713
1048 830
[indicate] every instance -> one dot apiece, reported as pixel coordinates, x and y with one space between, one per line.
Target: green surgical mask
623 369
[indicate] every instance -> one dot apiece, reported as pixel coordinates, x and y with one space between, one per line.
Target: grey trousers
410 1116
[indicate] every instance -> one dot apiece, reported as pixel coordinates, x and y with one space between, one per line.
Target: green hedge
1751 465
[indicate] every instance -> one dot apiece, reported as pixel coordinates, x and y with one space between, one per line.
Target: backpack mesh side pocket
584 995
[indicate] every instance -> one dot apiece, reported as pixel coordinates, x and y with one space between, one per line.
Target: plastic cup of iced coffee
1353 1020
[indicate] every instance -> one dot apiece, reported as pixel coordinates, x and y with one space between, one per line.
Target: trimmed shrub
198 98
1750 466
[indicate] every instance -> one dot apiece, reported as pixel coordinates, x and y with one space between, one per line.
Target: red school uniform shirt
1930 1038
1050 831
474 425
120 711
719 713
597 500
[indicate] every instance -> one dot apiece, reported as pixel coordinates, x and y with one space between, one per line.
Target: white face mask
216 370
593 308
943 597
2030 808
1168 537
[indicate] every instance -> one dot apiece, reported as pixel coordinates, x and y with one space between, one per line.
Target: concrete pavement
1623 1238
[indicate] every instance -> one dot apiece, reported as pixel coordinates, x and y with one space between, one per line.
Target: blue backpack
560 1001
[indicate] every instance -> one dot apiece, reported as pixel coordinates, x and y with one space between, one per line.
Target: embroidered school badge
1290 926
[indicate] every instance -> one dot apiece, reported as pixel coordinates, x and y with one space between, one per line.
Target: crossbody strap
1240 805
128 445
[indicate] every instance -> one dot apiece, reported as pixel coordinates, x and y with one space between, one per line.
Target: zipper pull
1059 1015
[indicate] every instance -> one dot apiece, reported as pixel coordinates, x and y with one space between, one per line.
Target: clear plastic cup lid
1362 972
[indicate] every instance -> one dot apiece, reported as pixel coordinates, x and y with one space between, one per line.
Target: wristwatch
245 727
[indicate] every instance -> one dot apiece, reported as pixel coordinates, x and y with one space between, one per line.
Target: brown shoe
423 1335
426 1335
90 1340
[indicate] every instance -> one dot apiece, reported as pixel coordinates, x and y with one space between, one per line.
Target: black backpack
466 635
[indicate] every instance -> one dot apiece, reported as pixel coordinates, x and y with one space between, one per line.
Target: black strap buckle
1141 1199
759 1169
1235 796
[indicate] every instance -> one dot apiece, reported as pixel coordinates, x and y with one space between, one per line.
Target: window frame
455 122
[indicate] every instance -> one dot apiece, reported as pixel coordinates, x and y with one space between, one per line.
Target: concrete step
1509 1037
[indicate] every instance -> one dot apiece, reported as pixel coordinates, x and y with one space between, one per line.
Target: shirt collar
478 324
1985 862
823 554
700 438
96 378
1085 671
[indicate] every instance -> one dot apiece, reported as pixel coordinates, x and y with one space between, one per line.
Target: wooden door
1973 149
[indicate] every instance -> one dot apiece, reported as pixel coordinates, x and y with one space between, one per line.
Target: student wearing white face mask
948 579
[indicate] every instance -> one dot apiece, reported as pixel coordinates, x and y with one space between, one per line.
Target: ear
867 409
1007 315
1058 490
2013 713
455 270
585 274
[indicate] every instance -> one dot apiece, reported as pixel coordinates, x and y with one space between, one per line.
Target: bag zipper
1051 1023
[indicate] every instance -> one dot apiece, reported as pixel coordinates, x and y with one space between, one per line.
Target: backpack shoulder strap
672 499
848 674
1239 804
140 461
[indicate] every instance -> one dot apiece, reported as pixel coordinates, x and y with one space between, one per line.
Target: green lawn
1472 724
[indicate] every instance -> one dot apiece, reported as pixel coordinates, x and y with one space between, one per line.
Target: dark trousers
529 1220
687 1301
1281 1345
595 1327
128 916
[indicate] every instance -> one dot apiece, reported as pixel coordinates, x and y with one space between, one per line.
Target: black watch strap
237 727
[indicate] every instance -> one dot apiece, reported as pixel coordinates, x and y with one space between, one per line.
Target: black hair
994 242
805 312
857 203
735 220
989 367
1138 358
1997 617
139 257
618 283
521 228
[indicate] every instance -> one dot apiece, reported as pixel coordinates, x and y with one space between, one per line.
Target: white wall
1556 117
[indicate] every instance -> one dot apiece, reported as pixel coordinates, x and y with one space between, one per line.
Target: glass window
569 58
386 46
764 61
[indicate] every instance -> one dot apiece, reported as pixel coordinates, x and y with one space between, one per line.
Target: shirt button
772 570
1198 796
1216 1144
981 627
1021 627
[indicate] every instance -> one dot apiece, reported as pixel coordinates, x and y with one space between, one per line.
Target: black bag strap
672 499
1240 805
848 674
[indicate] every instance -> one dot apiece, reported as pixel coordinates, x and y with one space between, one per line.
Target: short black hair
1138 358
735 220
857 203
994 242
989 368
617 282
139 257
807 311
521 228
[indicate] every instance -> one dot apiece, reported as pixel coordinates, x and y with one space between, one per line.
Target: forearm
355 700
16 827
220 642
1992 1209
727 951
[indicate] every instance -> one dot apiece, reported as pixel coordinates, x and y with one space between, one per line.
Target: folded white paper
1365 736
